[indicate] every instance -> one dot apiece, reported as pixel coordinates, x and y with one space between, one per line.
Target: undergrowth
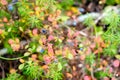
32 21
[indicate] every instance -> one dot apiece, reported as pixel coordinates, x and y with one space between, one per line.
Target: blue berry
10 7
74 23
42 50
82 10
81 49
44 31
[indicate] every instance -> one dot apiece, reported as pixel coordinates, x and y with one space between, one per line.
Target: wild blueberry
10 7
42 50
74 23
81 49
44 31
82 10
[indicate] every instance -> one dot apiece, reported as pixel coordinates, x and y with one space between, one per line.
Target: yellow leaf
22 60
74 9
117 56
117 1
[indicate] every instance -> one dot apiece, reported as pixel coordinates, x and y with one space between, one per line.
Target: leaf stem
12 58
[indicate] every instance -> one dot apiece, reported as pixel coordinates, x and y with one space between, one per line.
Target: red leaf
3 2
116 63
50 38
87 78
35 32
74 52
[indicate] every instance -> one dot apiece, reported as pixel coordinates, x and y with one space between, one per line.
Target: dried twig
3 71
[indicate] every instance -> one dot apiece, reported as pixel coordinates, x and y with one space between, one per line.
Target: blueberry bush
59 40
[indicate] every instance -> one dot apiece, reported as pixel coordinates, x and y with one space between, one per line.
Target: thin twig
92 72
3 71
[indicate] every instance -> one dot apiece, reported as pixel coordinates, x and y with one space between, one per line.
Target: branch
95 15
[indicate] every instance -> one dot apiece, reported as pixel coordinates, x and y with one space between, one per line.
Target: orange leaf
1 31
12 71
92 46
34 56
96 51
100 49
58 52
105 63
69 75
74 68
58 12
1 24
82 57
103 44
69 13
5 20
98 40
45 66
22 60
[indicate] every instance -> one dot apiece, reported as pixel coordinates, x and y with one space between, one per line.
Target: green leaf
101 74
21 66
69 56
63 18
90 59
99 30
6 45
27 54
59 66
117 1
117 56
